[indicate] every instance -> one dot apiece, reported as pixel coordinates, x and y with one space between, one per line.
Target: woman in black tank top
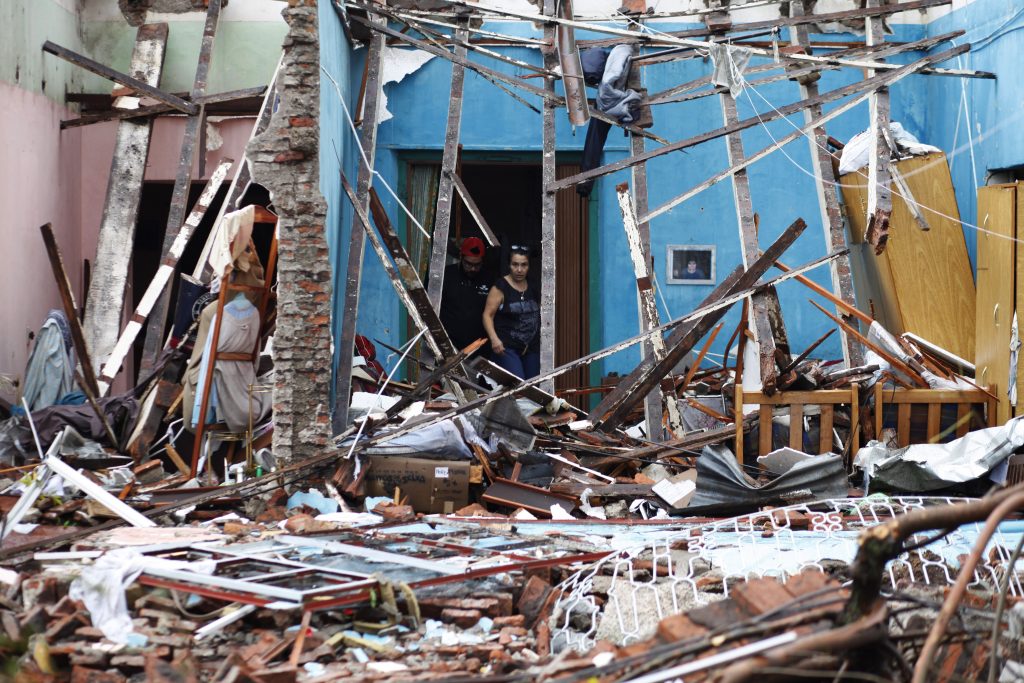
512 319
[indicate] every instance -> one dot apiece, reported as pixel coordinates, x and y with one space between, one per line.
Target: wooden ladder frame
263 216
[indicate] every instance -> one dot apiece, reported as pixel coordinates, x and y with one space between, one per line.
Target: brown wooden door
572 286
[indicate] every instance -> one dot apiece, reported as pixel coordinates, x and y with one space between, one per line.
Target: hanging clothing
613 98
233 234
50 371
229 397
608 70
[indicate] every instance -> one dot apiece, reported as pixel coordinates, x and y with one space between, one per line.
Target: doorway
508 194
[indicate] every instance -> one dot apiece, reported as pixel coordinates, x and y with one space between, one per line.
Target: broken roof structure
248 443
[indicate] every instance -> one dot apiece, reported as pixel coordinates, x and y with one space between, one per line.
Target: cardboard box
430 485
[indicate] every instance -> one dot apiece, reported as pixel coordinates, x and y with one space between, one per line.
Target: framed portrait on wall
691 264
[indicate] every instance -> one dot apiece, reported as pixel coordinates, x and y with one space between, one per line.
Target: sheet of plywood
996 215
924 275
1018 287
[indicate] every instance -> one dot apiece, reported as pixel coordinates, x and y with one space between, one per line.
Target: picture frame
681 271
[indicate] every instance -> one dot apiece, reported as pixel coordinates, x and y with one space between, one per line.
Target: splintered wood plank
614 407
67 298
474 211
761 315
997 215
182 184
924 278
548 226
446 190
825 428
868 84
828 197
354 270
116 239
161 279
764 429
879 208
649 318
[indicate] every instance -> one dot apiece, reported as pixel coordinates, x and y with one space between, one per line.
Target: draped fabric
423 181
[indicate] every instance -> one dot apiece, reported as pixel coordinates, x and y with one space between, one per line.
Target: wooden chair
826 399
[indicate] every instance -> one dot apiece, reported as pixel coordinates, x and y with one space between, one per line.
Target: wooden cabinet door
997 213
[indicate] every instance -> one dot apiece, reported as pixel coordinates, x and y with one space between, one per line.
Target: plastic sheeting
441 440
927 467
720 481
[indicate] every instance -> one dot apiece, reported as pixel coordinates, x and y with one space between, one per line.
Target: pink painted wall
40 171
162 164
61 178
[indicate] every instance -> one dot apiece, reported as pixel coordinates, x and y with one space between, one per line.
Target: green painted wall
24 26
244 52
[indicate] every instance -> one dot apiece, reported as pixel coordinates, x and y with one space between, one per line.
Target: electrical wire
894 190
366 160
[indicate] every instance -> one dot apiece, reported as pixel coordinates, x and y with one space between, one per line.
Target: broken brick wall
285 161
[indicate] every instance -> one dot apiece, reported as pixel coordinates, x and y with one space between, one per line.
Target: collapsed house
774 432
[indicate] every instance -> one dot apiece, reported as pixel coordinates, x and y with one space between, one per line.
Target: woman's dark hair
518 250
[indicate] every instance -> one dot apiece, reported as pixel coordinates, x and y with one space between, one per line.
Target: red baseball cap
472 246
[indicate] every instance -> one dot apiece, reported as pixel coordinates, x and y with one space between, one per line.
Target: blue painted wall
336 59
979 116
782 187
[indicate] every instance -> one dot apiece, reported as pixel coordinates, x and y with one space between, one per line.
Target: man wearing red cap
466 285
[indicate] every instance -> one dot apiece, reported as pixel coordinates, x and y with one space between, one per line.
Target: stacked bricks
285 162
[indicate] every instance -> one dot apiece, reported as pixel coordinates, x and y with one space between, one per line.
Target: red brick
678 627
463 618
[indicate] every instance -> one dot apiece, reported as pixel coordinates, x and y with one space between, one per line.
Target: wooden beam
182 185
548 215
649 318
140 87
879 208
494 76
761 305
404 276
228 97
523 387
162 278
786 110
778 22
445 191
825 186
895 362
793 70
474 211
779 143
67 299
104 303
354 269
614 407
677 39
